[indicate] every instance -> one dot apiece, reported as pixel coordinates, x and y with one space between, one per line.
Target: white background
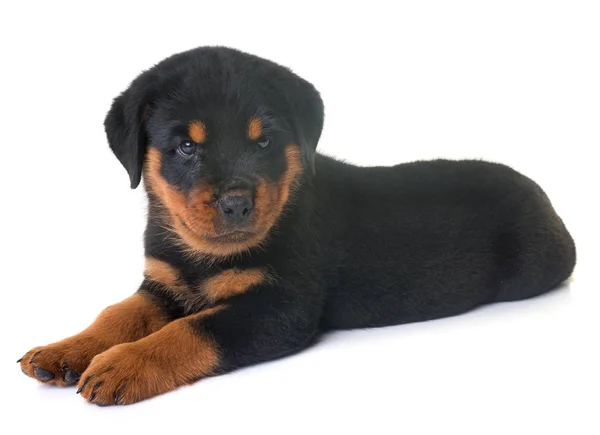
511 81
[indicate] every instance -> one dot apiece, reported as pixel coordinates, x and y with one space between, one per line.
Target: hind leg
535 260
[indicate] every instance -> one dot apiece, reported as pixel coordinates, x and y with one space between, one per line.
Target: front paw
125 374
60 363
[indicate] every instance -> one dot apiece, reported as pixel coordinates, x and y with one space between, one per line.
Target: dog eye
264 143
187 148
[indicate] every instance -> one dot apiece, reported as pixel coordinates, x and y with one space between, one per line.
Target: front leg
62 363
245 329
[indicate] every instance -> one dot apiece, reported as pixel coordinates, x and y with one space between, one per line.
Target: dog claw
119 392
93 395
84 384
32 360
43 375
19 360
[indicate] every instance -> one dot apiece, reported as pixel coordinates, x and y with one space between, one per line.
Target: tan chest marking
232 282
163 273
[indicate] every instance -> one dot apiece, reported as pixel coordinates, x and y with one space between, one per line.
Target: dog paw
60 363
125 374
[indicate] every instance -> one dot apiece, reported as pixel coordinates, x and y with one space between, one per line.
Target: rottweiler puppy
255 243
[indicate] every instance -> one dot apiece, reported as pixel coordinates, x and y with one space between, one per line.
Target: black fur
355 247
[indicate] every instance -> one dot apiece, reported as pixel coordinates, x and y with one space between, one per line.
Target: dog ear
125 125
307 112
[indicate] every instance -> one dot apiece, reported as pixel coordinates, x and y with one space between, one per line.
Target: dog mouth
227 237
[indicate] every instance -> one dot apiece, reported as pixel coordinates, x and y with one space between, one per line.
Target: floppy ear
307 110
125 125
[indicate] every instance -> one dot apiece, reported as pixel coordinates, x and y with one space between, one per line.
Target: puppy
255 244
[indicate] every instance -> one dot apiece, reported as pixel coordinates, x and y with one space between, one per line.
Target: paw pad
43 375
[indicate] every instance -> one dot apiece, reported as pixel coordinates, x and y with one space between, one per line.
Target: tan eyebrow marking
197 131
255 129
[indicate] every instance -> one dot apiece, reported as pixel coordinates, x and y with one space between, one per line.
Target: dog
255 244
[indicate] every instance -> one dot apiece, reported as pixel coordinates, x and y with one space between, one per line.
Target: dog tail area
539 259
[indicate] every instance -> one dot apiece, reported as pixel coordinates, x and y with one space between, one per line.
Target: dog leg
63 362
244 330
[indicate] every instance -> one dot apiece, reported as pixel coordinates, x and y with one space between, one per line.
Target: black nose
236 208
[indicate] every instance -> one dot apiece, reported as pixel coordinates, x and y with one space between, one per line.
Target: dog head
222 138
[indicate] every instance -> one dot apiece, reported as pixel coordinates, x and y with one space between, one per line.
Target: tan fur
272 197
231 282
197 211
163 273
193 217
197 131
174 356
129 320
255 129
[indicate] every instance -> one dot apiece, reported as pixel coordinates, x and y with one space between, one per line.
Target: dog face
223 138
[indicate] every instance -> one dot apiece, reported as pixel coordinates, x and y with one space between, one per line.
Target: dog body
255 243
432 239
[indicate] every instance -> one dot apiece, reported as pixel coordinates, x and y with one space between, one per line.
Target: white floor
527 367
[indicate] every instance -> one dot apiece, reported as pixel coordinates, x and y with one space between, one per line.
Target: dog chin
236 236
232 236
